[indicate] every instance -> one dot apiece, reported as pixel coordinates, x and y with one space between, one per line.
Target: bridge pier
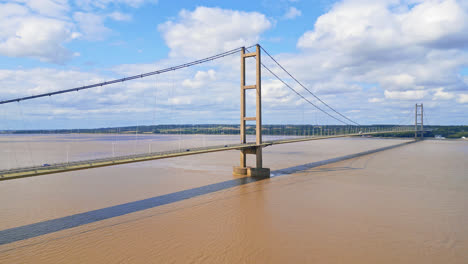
243 170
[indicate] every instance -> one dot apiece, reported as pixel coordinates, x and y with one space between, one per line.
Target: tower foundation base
252 172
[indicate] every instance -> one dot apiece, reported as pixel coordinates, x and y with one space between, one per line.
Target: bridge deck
95 163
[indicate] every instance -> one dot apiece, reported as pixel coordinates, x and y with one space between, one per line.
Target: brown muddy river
407 204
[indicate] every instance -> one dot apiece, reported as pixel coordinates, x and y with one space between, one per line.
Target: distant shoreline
453 132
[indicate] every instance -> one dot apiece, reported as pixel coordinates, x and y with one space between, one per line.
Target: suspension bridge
246 146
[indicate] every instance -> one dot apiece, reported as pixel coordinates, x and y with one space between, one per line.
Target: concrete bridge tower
256 150
419 121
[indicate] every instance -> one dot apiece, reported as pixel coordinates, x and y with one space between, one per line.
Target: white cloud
400 50
23 34
441 95
40 28
292 13
166 94
102 4
91 26
10 10
52 8
401 81
375 100
334 87
41 80
399 46
118 16
180 100
357 26
275 92
406 95
439 23
462 98
206 31
201 79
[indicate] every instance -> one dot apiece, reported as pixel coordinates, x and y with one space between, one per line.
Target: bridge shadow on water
54 225
333 169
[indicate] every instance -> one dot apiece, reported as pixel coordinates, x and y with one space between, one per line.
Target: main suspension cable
287 85
308 89
185 65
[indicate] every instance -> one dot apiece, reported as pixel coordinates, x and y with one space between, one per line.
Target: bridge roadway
103 162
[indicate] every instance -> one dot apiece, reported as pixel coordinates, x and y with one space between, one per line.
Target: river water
407 204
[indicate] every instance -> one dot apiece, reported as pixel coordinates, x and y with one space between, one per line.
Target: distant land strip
452 131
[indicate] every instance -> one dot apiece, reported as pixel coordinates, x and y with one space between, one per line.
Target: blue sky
371 60
137 39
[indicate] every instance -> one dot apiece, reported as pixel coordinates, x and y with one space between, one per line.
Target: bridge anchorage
243 169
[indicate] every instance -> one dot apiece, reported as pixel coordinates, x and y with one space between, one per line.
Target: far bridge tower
419 122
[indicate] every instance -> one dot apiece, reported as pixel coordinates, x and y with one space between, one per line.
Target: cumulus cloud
440 94
164 97
102 4
117 102
401 81
334 87
201 79
292 13
358 26
405 95
206 31
26 34
42 80
400 46
404 50
118 16
375 100
91 26
40 29
275 92
463 98
51 8
180 100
